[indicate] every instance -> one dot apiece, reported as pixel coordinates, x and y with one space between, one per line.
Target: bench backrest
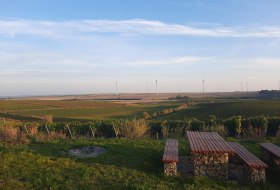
250 159
272 148
171 151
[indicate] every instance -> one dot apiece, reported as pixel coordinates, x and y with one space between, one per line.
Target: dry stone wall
239 171
212 165
170 168
271 159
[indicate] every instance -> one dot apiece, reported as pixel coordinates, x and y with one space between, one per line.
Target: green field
227 108
26 109
29 109
127 164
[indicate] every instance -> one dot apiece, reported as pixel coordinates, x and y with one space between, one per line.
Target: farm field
26 109
127 164
227 108
87 110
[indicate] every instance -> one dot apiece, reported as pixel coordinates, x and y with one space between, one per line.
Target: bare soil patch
86 151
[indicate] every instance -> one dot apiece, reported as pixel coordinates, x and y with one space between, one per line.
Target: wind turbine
117 89
147 86
241 84
247 85
156 87
203 86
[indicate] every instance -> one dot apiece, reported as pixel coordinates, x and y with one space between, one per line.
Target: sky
50 47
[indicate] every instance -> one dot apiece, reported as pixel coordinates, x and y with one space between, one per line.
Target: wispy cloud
40 61
251 64
187 60
14 27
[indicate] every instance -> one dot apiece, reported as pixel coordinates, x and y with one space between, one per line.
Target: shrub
254 133
220 129
155 128
177 128
196 125
230 126
146 115
273 124
57 135
33 130
278 134
155 115
9 134
164 129
47 119
133 128
212 120
234 126
183 106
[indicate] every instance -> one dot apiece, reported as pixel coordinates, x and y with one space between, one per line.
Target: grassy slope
127 164
222 109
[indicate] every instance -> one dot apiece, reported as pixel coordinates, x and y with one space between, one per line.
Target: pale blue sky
74 47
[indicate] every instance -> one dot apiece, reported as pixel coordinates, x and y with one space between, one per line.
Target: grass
127 164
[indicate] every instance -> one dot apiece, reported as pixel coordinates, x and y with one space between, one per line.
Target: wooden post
116 132
69 131
26 129
47 130
93 134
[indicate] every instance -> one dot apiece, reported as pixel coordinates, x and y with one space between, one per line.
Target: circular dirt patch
87 151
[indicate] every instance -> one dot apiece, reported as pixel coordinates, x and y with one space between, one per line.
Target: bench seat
254 170
170 157
272 148
251 160
171 151
271 153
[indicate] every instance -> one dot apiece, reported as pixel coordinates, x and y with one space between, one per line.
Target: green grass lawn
127 164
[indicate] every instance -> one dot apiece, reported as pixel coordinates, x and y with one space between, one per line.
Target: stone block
170 169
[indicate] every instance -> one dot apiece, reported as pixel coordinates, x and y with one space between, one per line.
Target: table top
208 143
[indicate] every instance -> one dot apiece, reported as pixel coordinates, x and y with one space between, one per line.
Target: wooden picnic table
208 143
209 153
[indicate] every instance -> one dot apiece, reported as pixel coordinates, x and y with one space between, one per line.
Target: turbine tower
203 86
117 89
156 87
147 86
241 84
247 85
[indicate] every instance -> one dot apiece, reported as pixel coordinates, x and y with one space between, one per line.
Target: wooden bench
252 168
271 153
170 157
